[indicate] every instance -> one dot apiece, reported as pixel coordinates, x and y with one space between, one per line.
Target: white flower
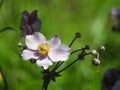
45 52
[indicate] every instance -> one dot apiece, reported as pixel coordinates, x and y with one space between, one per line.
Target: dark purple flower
110 77
30 23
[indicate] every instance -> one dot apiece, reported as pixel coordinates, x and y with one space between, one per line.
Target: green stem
45 84
76 51
6 28
60 63
56 66
68 66
46 79
72 63
72 41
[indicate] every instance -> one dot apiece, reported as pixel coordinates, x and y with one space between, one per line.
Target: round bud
32 61
102 48
87 47
20 44
96 62
81 56
77 34
94 52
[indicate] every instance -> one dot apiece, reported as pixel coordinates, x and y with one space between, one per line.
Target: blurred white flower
45 52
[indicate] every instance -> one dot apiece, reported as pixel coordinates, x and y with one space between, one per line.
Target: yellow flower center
43 49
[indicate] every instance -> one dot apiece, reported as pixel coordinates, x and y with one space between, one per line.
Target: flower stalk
46 52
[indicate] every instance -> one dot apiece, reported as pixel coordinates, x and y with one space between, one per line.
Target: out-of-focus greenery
64 17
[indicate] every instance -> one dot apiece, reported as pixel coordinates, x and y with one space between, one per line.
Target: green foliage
64 17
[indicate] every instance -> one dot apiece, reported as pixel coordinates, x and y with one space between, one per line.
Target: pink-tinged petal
59 53
45 63
55 41
28 54
32 41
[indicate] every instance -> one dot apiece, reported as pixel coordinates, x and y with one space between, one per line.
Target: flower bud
32 61
94 52
102 48
20 44
87 47
78 35
30 23
96 62
81 56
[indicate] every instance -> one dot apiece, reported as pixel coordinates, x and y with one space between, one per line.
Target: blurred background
63 17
